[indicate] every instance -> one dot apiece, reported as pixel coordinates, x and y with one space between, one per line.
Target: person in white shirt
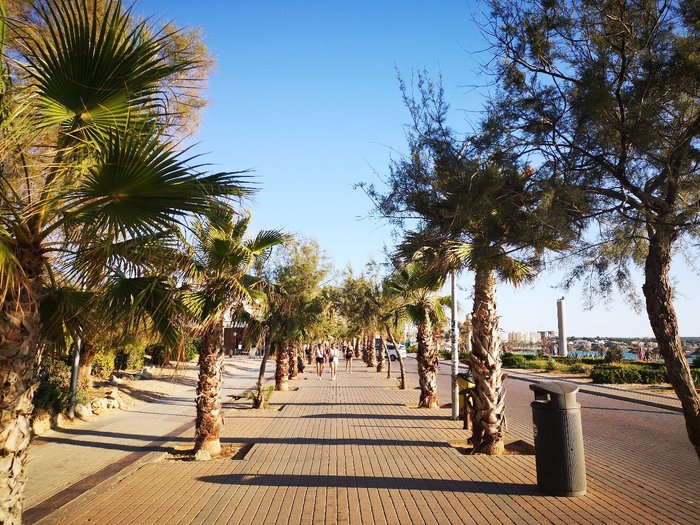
320 359
333 360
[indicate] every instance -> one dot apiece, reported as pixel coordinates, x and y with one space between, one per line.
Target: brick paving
352 451
64 458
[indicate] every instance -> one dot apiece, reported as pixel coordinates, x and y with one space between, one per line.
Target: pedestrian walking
320 360
347 350
333 360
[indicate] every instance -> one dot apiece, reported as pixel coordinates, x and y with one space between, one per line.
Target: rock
147 373
83 412
60 420
112 394
112 404
99 406
115 380
122 404
41 423
202 455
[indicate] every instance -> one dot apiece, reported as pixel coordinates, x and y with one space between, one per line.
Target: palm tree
392 318
420 303
222 260
483 210
96 87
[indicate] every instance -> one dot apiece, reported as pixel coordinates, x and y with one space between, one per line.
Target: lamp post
454 336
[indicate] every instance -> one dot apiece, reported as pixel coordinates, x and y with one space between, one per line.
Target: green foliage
551 365
510 360
103 363
412 349
53 392
624 373
614 355
696 361
579 368
130 357
158 354
191 349
266 395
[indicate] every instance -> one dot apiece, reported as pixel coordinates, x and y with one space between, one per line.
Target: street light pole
454 335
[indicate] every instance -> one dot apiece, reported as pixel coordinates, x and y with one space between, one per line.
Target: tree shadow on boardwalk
375 416
433 485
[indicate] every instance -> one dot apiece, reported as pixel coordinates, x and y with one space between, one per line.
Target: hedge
644 374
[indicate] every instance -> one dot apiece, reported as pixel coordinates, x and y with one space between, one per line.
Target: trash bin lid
556 395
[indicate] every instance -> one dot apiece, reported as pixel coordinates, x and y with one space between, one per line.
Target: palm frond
265 240
93 71
142 187
65 311
134 300
11 272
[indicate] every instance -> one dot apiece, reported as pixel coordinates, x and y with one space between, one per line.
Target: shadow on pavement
376 416
437 485
337 441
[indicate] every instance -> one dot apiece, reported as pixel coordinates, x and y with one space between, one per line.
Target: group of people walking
330 353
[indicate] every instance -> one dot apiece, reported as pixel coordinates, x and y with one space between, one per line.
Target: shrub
103 363
130 358
652 376
446 353
158 354
412 349
614 355
607 374
509 360
696 362
53 392
569 360
534 364
551 365
191 348
592 360
579 368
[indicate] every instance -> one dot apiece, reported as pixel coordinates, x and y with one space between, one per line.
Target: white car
392 351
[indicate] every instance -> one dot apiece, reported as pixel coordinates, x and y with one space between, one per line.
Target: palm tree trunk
282 369
210 416
356 346
658 293
372 352
485 363
385 350
402 370
258 399
19 360
380 359
427 365
87 355
293 366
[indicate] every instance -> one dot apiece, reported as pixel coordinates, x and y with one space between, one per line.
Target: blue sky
306 94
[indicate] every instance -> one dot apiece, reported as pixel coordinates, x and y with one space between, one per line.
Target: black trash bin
561 468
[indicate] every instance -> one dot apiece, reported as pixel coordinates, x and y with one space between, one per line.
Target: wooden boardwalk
352 451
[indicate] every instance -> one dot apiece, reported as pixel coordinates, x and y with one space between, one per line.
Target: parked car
391 348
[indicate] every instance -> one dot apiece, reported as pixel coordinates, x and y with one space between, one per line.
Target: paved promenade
352 451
